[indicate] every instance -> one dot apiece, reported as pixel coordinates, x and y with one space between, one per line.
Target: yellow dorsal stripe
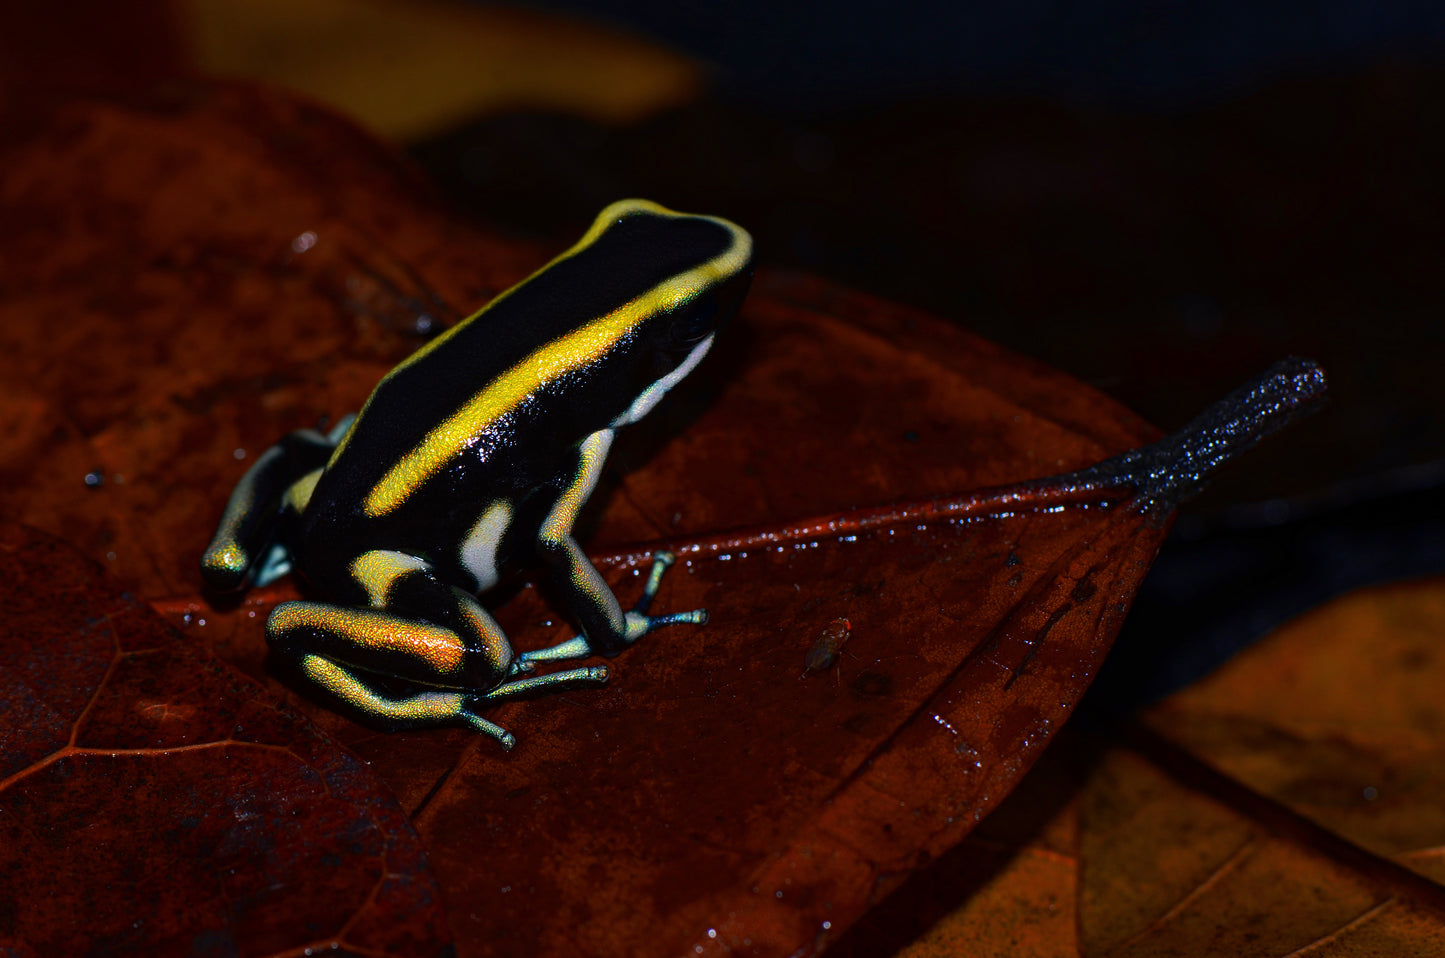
606 218
556 359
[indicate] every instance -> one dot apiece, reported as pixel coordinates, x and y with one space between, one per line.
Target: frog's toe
695 617
661 562
467 713
639 624
224 567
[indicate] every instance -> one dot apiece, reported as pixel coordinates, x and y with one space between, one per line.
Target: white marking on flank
653 394
479 549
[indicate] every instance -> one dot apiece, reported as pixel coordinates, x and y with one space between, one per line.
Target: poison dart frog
483 444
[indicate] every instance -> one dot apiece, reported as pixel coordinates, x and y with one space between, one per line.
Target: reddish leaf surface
156 802
187 279
157 318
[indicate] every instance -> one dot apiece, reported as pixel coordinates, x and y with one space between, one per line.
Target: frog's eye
691 323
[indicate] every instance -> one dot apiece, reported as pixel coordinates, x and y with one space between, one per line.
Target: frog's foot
275 563
661 562
535 685
636 623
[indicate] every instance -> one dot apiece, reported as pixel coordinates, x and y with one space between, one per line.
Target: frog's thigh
372 640
424 709
407 588
596 608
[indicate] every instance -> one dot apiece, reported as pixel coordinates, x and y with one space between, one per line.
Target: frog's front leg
253 513
418 629
606 629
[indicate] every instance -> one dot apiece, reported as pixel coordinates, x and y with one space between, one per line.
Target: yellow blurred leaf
1339 716
1270 819
1170 871
414 68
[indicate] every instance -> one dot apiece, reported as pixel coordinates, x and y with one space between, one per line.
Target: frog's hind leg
580 647
424 709
245 542
606 629
418 629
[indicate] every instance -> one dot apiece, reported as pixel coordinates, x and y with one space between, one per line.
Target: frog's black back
530 441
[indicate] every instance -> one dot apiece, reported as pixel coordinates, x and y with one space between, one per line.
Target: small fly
824 653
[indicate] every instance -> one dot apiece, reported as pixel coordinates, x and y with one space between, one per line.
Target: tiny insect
824 653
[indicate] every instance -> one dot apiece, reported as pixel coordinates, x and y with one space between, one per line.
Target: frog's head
704 266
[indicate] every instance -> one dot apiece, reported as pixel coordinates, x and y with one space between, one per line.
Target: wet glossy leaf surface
152 801
719 788
187 278
727 792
